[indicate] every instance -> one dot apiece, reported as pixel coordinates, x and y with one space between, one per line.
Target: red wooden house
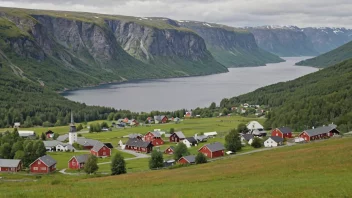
283 132
49 134
213 150
100 150
191 159
169 150
177 137
161 119
78 162
139 145
154 137
10 165
319 133
43 165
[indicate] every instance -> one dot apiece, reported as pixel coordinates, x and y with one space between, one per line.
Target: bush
180 150
200 158
118 165
233 141
257 143
156 161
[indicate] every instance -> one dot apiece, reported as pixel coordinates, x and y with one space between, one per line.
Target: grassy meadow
318 169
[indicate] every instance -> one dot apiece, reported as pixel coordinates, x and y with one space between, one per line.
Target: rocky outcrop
75 49
326 39
231 47
283 40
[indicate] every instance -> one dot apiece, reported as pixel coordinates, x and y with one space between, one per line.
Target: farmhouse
169 150
139 145
10 165
154 137
191 159
86 143
254 125
283 132
273 141
78 162
177 137
319 133
42 165
247 138
213 150
55 145
160 119
100 150
190 141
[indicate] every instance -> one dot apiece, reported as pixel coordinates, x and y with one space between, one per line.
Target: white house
27 134
17 125
55 145
253 125
189 142
211 134
274 141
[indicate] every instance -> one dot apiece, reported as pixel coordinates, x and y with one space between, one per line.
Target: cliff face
326 39
231 47
65 49
284 41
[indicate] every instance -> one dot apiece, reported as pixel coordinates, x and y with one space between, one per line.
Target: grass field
319 169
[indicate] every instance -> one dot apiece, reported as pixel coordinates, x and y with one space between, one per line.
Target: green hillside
313 170
330 58
312 100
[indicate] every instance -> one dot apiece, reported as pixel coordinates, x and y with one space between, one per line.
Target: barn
213 150
283 132
191 159
139 145
43 165
78 162
10 165
319 133
154 137
177 137
100 150
169 150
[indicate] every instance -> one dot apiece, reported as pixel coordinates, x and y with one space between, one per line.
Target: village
138 145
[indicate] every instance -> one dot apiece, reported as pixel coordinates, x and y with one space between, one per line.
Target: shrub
257 143
200 158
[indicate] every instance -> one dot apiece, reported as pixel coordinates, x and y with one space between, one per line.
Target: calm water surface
190 92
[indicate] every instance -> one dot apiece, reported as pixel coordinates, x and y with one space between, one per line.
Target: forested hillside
330 58
312 100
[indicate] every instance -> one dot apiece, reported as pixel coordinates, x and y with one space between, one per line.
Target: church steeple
72 135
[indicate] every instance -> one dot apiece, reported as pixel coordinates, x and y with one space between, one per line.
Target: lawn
319 169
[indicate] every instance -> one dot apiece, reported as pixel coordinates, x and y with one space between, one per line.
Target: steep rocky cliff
231 47
66 49
326 39
284 41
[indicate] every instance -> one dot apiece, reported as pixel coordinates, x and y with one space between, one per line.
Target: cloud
302 13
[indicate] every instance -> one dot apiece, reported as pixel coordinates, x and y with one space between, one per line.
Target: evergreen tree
172 130
257 143
156 161
118 165
40 149
56 135
180 150
91 165
200 158
233 141
43 136
5 151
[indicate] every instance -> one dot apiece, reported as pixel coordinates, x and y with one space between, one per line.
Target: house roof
211 133
180 134
82 158
86 142
51 143
189 158
137 143
216 146
201 137
320 130
135 135
97 146
254 125
277 139
257 132
247 137
285 130
11 163
192 140
26 133
62 138
156 133
47 160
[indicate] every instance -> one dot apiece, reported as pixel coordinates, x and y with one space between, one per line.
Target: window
104 153
39 162
73 163
43 168
35 168
103 148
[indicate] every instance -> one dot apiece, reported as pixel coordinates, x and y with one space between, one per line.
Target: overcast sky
303 13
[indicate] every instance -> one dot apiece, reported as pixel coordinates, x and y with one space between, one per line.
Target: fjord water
190 92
